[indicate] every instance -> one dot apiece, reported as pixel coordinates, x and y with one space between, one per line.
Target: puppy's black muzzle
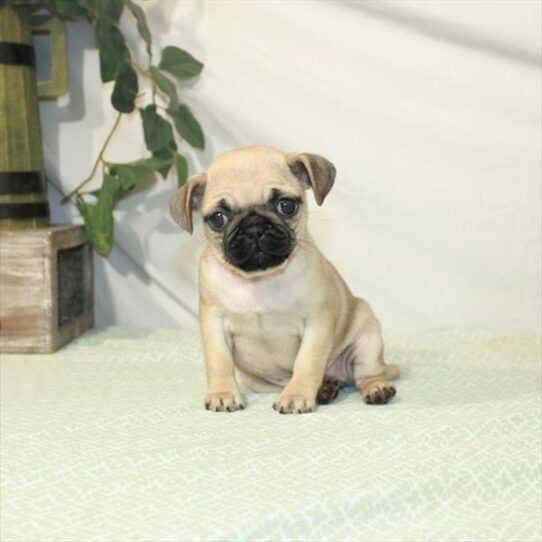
257 243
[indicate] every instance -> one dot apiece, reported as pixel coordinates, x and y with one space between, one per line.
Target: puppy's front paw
294 404
224 402
379 394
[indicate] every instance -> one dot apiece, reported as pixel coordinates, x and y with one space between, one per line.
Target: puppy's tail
392 372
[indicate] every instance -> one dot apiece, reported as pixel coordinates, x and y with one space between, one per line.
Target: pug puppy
274 312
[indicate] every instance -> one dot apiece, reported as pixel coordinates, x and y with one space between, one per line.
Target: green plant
161 112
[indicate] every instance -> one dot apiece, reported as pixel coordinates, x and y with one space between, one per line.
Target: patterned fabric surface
107 440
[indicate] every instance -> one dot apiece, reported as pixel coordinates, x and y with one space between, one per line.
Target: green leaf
187 126
142 26
89 6
165 154
133 173
157 131
179 63
181 165
138 170
166 85
67 7
125 89
99 217
112 48
110 9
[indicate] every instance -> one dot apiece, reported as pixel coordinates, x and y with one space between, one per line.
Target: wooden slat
29 289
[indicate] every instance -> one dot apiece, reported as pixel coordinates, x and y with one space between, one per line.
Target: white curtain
430 111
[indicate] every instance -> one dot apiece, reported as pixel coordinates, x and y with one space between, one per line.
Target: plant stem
141 70
98 160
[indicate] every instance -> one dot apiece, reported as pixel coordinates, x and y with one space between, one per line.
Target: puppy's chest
265 326
262 316
283 294
264 343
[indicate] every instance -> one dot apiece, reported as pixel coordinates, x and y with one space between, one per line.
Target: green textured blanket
108 440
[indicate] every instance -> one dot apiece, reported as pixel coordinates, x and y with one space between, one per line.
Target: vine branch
141 70
98 160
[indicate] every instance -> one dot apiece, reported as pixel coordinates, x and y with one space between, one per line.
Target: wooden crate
46 288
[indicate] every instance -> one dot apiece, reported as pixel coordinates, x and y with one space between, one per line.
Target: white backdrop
431 112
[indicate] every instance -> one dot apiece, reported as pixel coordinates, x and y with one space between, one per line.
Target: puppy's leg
299 395
370 373
223 394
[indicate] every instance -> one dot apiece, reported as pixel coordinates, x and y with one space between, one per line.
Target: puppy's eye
286 206
218 220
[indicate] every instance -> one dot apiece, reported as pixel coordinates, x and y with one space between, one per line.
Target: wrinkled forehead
242 186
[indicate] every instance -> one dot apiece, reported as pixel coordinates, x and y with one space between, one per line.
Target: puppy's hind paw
294 404
328 391
224 402
379 394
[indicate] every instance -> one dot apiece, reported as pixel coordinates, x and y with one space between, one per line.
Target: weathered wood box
46 288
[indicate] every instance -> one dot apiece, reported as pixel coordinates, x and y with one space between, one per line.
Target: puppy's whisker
302 244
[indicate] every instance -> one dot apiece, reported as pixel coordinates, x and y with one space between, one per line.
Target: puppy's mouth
256 243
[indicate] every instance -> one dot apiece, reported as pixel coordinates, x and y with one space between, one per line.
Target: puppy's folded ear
313 171
187 199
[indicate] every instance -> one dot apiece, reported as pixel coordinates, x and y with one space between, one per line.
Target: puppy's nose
255 227
255 231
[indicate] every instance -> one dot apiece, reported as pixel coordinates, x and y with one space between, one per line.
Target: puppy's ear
187 199
313 171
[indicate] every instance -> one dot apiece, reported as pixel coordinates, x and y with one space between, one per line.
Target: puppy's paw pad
379 394
294 404
224 402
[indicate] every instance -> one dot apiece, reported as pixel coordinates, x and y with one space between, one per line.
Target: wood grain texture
20 129
30 288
